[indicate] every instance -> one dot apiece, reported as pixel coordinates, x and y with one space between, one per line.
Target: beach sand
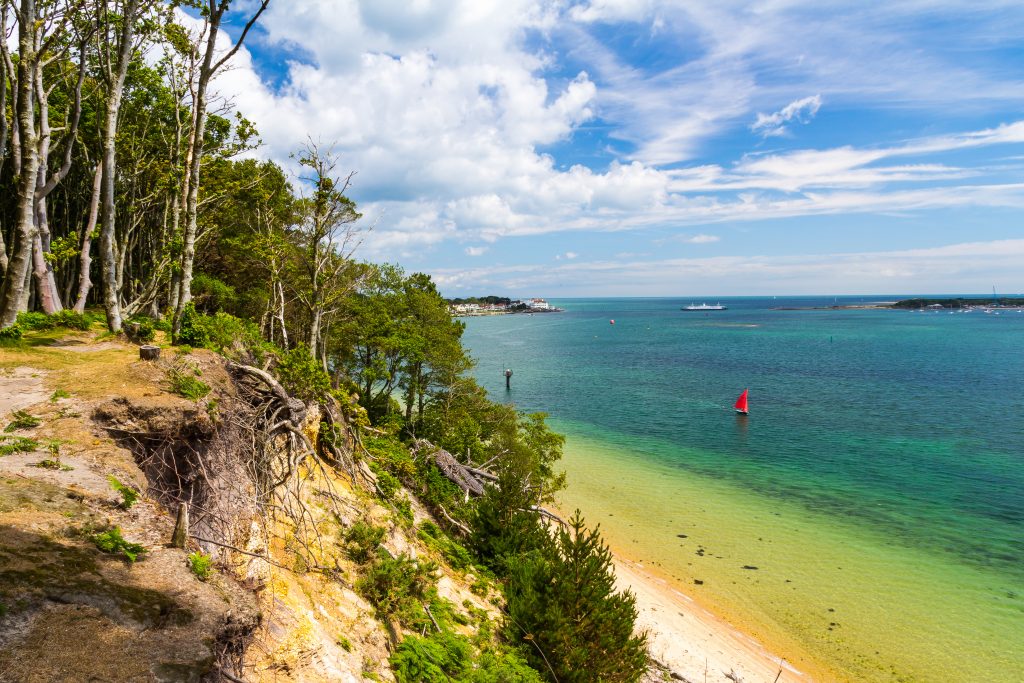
693 643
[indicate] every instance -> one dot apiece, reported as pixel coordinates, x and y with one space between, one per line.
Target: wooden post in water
508 379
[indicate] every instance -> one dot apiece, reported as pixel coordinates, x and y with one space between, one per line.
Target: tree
328 236
563 607
213 12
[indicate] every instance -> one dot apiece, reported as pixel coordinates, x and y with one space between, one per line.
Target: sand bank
694 643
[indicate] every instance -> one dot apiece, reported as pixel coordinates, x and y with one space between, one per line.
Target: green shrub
10 445
163 324
129 496
387 484
22 420
362 541
66 318
201 565
302 375
11 334
501 667
214 294
454 554
393 585
191 330
225 332
184 382
58 395
440 658
146 330
113 543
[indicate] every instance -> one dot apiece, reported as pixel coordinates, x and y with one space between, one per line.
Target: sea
865 521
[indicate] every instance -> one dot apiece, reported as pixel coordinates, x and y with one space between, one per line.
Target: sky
660 147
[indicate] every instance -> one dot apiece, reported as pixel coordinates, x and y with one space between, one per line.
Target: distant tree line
959 302
500 300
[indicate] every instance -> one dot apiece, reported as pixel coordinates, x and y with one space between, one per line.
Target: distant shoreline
916 304
480 314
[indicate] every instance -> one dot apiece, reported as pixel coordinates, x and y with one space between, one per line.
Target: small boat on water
703 307
741 404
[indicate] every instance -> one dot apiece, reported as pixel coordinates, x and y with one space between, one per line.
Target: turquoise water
892 432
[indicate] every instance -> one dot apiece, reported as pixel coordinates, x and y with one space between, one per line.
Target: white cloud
703 239
444 108
801 111
965 267
476 251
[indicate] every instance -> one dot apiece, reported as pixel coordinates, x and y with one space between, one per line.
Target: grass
22 420
9 445
185 382
201 565
112 542
129 496
59 394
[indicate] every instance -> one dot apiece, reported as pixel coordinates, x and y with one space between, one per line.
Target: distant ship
703 307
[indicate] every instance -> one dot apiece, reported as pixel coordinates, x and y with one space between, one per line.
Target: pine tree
563 606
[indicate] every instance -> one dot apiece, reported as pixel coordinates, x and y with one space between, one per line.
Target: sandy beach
694 644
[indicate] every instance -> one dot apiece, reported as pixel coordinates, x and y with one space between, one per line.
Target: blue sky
649 147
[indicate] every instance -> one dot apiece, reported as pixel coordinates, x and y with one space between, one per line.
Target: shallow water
877 486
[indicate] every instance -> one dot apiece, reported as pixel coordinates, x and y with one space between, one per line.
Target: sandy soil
20 388
694 644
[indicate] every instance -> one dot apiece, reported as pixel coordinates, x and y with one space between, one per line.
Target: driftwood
456 472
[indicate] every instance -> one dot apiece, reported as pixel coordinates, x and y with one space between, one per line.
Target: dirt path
20 388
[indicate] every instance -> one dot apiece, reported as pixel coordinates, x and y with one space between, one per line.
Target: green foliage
454 554
11 334
10 445
58 395
302 375
65 318
501 666
211 293
396 584
387 484
113 543
191 330
22 420
146 329
201 565
447 656
129 496
185 382
561 601
440 658
362 541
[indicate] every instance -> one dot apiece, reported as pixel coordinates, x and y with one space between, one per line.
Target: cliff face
281 604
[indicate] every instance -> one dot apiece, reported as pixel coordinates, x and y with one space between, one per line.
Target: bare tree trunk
108 236
215 12
13 290
4 126
280 313
84 281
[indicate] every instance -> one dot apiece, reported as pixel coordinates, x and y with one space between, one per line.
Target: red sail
741 402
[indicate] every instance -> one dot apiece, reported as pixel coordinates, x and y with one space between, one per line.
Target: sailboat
741 403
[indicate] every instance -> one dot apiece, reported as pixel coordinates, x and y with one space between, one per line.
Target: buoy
611 322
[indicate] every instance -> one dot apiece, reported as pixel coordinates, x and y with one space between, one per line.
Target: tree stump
180 537
149 352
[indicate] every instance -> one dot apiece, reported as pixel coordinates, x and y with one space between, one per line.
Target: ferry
703 307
